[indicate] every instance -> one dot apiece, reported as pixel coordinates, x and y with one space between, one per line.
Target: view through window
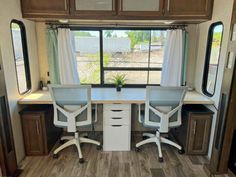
212 58
21 56
104 53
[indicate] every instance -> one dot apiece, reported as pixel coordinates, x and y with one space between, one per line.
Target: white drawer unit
116 127
116 106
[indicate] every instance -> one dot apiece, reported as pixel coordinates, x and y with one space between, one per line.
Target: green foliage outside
217 39
108 33
138 37
143 37
15 26
96 65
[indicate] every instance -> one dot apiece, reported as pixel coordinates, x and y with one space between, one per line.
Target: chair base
77 141
152 138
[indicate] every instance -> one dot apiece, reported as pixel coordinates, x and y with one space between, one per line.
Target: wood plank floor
115 164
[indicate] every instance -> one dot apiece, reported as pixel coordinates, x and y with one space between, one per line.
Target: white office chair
72 109
162 111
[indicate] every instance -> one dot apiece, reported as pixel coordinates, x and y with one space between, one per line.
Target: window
104 53
21 56
212 58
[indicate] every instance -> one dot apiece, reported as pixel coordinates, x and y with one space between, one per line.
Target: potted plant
119 81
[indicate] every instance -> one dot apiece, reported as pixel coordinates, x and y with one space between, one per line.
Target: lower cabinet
194 133
40 135
116 127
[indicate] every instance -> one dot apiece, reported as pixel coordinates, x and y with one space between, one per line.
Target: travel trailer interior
107 88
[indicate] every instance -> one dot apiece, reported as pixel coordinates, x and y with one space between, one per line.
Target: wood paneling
199 10
194 132
45 7
188 8
33 136
199 132
39 132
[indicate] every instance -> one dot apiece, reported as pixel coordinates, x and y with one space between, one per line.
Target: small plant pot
118 88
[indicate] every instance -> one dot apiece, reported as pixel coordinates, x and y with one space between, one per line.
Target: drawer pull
116 125
116 118
116 110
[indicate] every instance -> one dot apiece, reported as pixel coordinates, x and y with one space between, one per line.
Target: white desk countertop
110 95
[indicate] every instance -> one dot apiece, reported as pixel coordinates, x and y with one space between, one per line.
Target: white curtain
173 59
67 57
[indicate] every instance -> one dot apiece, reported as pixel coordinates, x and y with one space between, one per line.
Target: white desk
110 95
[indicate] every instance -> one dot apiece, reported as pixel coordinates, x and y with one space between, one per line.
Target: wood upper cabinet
45 7
92 7
118 9
188 8
141 7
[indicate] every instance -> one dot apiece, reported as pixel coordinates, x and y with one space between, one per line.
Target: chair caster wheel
81 160
55 156
181 151
161 159
99 147
137 149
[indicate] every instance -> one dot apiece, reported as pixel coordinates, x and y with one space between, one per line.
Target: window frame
103 69
208 57
25 55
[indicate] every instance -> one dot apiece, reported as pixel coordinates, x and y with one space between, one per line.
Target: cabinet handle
65 1
168 5
116 110
194 127
116 117
116 125
37 127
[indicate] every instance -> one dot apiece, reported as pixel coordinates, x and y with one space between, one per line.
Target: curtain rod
117 25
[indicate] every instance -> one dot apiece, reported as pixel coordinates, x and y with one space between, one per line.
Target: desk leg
139 113
96 113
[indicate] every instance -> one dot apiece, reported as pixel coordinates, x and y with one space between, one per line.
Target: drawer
116 117
116 106
117 120
116 138
116 113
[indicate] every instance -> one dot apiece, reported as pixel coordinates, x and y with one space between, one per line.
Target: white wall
10 9
222 12
42 48
193 32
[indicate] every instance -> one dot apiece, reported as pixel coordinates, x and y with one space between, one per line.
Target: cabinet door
141 7
33 136
92 7
188 8
45 7
199 131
